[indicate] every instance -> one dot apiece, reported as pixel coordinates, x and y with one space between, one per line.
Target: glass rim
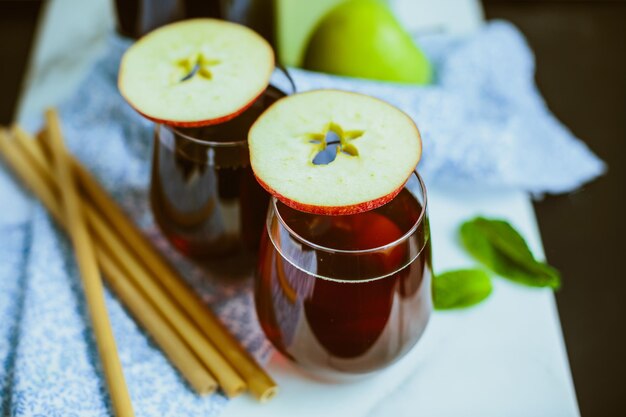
394 243
221 144
208 143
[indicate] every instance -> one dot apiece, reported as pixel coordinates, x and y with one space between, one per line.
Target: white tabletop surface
505 357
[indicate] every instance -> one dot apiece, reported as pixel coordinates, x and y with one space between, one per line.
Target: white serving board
505 357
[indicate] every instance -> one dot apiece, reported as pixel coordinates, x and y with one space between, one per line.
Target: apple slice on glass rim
195 72
333 152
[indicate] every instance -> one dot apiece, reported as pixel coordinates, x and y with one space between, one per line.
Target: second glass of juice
349 294
203 194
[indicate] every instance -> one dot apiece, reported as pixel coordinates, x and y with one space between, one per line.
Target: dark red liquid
351 325
204 196
137 17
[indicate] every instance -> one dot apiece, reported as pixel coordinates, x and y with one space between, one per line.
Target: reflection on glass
346 294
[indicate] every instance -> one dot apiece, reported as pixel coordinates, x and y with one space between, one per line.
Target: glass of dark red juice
203 193
346 294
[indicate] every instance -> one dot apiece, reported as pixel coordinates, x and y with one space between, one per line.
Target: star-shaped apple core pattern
332 141
195 64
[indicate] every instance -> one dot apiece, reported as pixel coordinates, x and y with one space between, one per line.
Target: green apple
295 22
362 38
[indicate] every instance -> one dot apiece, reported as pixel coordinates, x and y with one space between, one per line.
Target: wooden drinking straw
27 165
259 382
162 333
88 266
114 245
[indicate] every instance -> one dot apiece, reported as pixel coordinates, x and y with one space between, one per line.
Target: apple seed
195 64
332 141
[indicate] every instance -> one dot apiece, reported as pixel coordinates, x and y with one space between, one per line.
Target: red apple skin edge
198 123
195 123
332 210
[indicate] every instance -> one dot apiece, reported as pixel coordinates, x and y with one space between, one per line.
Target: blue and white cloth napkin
482 121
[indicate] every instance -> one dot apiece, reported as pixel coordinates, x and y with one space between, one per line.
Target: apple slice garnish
196 72
333 152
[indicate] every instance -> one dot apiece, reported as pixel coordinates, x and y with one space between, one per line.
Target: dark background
580 48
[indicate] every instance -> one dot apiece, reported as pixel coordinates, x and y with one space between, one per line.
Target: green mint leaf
461 288
497 245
